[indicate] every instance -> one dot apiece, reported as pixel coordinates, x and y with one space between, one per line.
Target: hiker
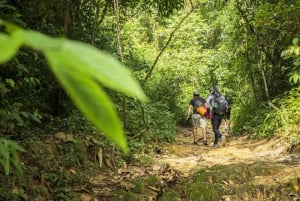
199 121
217 106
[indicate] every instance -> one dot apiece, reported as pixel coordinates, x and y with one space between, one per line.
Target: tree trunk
120 53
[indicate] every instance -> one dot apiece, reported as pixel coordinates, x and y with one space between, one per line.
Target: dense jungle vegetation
116 77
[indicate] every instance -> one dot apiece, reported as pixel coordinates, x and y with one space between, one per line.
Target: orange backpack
201 109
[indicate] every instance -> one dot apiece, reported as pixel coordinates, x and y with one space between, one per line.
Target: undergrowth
279 117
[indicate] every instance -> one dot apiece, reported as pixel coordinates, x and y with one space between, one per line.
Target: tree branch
166 45
98 20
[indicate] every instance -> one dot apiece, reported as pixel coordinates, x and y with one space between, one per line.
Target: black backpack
220 105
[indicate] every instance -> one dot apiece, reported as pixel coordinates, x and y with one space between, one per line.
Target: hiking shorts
198 121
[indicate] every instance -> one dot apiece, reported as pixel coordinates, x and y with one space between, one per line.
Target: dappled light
111 100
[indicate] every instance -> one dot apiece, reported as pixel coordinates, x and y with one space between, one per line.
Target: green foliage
16 82
281 117
13 117
293 52
158 117
123 195
227 42
161 121
138 187
288 116
170 196
9 155
74 153
59 181
257 120
4 195
82 85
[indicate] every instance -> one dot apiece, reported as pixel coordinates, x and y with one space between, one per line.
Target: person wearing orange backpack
197 110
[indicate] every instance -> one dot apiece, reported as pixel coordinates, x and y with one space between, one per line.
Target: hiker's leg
196 125
220 122
203 125
228 119
220 119
214 130
195 134
216 121
225 123
204 136
204 133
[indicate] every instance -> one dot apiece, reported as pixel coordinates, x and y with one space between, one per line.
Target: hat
196 93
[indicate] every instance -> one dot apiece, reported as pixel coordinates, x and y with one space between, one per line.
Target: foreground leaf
96 64
88 96
9 45
80 68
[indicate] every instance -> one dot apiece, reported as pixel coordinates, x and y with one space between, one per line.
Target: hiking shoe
205 142
220 139
216 146
200 139
195 143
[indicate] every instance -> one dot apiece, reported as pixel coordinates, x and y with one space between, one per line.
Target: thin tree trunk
98 20
95 23
120 53
264 77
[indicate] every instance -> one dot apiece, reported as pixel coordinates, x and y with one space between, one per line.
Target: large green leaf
87 95
103 67
80 68
9 45
39 41
98 65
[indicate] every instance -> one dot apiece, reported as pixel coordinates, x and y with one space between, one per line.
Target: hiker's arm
209 107
227 105
189 111
209 102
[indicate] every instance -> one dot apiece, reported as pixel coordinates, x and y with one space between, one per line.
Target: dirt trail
276 169
188 158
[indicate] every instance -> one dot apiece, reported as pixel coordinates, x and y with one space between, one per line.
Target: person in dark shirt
197 120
